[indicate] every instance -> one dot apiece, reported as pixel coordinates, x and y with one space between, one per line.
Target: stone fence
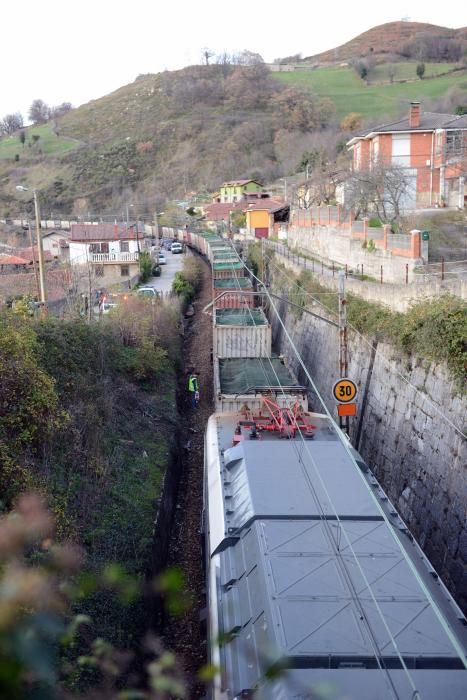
330 221
397 297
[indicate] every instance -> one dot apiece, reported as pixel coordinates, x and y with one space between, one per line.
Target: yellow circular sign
344 390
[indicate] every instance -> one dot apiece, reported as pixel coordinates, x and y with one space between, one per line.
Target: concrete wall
395 297
405 433
338 246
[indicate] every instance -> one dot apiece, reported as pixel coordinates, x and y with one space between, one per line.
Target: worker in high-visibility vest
193 389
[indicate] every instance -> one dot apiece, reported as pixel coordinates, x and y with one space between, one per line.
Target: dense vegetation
88 420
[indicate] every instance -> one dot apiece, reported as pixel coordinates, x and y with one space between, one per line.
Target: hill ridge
387 38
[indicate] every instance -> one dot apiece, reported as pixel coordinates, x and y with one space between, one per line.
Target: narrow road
174 264
186 634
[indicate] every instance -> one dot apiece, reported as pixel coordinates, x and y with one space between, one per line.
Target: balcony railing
102 258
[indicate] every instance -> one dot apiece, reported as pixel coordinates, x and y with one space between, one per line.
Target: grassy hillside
374 100
48 143
167 134
387 38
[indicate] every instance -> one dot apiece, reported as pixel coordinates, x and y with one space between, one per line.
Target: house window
124 247
99 270
125 270
454 143
98 247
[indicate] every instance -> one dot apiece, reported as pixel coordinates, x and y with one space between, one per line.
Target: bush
187 282
145 266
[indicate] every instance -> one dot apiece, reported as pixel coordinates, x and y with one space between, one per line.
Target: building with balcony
111 249
238 190
429 148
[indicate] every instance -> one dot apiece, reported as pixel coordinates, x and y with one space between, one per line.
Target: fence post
442 269
322 268
362 271
381 274
386 229
333 268
406 273
346 271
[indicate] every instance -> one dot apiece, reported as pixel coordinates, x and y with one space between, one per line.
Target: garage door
261 232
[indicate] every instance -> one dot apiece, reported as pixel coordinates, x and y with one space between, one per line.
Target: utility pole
40 250
156 229
31 240
343 346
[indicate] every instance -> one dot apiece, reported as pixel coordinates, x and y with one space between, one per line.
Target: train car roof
313 572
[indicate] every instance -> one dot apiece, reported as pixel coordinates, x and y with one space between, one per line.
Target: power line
380 354
422 585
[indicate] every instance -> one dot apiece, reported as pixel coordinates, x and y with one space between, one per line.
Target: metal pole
333 268
442 269
343 350
381 274
362 270
406 273
156 228
40 251
38 289
346 271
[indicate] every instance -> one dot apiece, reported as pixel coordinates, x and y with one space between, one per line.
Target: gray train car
316 589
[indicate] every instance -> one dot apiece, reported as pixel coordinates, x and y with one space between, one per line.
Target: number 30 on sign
344 390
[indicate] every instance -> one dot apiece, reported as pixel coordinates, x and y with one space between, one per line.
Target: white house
112 249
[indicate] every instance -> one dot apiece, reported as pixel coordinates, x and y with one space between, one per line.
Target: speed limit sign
344 390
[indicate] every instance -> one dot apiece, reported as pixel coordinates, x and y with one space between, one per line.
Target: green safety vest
193 384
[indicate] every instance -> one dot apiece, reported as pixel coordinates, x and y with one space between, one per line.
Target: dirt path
186 634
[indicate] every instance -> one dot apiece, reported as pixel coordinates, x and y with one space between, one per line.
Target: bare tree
207 54
381 189
60 110
11 123
39 112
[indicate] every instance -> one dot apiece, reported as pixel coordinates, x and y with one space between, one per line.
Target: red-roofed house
112 249
31 256
12 263
265 216
430 147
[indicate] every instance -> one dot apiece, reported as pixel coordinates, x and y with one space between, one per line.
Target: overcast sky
80 50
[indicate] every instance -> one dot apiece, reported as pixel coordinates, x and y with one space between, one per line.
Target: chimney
414 115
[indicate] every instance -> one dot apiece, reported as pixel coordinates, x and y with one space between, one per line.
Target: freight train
315 586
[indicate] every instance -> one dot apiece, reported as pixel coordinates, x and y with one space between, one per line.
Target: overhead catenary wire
339 558
334 545
411 565
378 353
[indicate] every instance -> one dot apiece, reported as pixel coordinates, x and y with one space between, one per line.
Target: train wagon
316 589
241 383
233 292
241 333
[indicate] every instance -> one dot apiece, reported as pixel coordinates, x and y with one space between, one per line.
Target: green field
48 143
374 101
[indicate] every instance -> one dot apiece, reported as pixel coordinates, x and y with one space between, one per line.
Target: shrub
145 266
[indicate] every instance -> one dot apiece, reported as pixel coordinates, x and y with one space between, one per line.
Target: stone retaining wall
405 435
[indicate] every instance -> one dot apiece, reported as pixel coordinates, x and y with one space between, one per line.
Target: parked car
176 247
162 259
108 306
149 292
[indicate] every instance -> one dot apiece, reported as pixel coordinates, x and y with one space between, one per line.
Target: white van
176 247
